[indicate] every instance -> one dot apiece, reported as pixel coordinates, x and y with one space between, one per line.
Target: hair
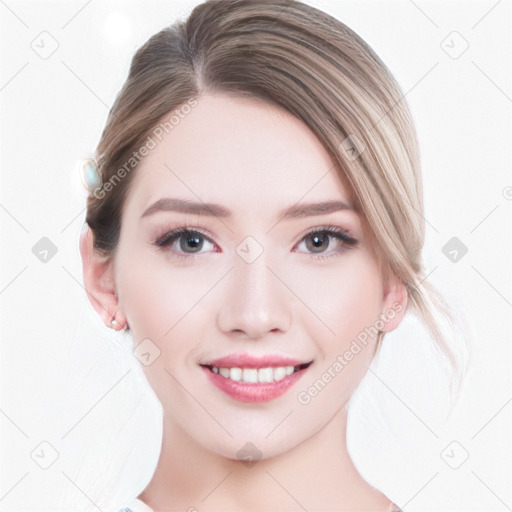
310 64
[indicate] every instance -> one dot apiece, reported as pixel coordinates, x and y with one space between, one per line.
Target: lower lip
254 392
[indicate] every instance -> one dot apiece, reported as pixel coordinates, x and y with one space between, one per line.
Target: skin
255 160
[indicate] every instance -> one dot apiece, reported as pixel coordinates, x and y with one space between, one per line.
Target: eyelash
162 242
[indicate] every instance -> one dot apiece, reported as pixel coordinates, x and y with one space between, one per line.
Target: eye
188 243
184 242
318 240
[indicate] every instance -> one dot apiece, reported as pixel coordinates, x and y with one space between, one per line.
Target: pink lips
259 391
248 361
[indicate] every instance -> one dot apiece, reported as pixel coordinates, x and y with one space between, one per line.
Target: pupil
193 241
318 241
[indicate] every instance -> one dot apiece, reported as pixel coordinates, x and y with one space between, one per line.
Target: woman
255 222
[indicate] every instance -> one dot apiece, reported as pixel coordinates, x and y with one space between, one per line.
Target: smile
254 380
257 375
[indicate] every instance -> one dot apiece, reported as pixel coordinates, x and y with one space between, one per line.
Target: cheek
159 298
349 305
345 298
163 305
146 307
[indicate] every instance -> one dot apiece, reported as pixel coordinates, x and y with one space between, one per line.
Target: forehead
241 152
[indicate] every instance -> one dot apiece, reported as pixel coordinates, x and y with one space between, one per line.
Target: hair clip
90 175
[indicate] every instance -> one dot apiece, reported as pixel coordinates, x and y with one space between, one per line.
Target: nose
255 302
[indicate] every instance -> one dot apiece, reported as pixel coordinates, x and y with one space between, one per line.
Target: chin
251 448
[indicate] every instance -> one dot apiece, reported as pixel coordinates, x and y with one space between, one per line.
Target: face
234 290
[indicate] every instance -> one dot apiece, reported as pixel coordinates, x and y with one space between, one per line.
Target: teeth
265 375
254 375
235 374
249 375
279 373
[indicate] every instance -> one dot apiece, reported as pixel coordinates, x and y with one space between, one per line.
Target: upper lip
242 360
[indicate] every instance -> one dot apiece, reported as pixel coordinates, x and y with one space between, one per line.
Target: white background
70 382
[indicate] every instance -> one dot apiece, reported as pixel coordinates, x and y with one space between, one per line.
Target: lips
250 361
248 378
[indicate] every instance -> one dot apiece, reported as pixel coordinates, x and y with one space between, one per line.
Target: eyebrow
168 204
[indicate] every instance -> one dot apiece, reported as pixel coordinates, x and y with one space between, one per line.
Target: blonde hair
300 59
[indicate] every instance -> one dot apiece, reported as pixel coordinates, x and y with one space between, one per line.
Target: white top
135 505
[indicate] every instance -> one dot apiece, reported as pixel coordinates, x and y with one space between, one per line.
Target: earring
90 175
117 326
114 324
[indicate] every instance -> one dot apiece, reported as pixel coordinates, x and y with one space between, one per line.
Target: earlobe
99 282
395 303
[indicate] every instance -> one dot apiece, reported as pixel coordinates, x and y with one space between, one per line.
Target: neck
317 474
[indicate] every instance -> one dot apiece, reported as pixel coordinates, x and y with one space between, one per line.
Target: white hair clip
90 175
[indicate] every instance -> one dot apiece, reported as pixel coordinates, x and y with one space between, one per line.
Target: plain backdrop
80 427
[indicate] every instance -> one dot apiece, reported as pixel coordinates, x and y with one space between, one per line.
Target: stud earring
114 324
117 326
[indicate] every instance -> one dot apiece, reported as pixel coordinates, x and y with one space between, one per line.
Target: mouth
258 381
257 375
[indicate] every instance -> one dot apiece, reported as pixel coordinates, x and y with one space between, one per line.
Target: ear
395 299
99 281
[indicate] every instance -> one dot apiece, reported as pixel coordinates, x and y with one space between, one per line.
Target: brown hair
302 60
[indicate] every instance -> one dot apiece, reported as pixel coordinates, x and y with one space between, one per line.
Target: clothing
135 505
138 506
